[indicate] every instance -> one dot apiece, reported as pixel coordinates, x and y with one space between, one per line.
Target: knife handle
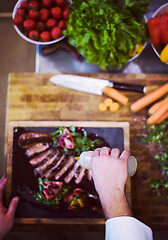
115 94
129 87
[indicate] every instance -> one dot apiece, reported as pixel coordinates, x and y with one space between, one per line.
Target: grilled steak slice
26 140
71 173
89 174
42 168
51 172
67 165
80 175
39 159
36 148
52 164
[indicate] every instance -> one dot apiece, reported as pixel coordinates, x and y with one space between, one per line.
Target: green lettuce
104 32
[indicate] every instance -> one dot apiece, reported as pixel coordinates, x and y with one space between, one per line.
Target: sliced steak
36 148
52 171
71 160
80 175
40 158
71 173
42 168
89 174
26 140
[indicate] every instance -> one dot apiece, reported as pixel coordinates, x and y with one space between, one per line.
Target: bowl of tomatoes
158 32
41 21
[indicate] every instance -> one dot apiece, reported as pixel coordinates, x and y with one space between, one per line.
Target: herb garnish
81 140
40 197
158 134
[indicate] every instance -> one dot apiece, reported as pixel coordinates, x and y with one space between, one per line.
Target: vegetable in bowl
104 32
158 32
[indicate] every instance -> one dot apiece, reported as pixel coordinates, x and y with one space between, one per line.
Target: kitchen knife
93 85
89 85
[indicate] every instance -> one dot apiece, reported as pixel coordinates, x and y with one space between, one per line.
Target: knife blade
89 85
93 85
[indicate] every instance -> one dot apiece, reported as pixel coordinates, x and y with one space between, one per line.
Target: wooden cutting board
41 215
31 97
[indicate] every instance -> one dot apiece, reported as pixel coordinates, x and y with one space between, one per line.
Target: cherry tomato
45 36
69 198
51 23
56 33
34 14
75 200
66 7
29 24
78 192
60 2
66 14
44 14
22 12
41 26
62 24
18 20
47 3
34 4
56 12
24 4
34 35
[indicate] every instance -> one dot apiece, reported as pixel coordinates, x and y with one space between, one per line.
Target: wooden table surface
31 97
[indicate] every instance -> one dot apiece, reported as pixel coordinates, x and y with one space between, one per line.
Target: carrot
114 107
102 107
154 118
151 97
115 94
157 105
162 118
108 102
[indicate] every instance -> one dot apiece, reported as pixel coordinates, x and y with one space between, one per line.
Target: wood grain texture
31 97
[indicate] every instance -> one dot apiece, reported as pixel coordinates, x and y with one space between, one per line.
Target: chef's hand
6 215
110 171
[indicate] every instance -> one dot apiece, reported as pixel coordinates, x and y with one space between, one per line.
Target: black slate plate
24 181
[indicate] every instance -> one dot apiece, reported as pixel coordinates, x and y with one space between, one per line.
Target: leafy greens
104 32
81 140
40 197
158 134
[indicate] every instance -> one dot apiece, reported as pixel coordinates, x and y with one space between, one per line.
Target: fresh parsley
81 140
40 197
158 134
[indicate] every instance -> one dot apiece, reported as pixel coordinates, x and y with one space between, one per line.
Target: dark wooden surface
33 98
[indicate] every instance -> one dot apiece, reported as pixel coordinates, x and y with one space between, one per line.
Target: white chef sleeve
126 228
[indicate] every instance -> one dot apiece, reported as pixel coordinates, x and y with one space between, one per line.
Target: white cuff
126 228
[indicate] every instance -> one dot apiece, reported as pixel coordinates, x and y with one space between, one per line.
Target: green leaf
96 29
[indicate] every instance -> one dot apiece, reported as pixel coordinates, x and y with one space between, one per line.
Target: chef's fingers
115 152
2 186
1 180
105 151
125 155
12 207
96 152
